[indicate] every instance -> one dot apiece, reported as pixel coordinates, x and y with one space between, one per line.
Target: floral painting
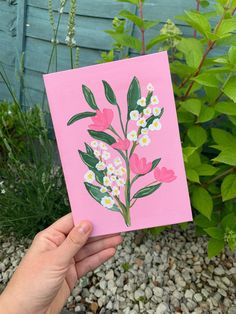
108 180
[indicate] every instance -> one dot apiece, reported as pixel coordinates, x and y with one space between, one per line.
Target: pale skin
58 257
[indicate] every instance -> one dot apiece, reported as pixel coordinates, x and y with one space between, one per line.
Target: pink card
117 133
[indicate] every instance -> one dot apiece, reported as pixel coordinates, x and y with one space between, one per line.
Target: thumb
75 240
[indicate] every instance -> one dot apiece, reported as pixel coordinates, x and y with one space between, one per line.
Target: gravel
155 275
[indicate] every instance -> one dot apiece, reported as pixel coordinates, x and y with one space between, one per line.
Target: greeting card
119 144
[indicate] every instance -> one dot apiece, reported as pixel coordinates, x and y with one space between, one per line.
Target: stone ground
164 274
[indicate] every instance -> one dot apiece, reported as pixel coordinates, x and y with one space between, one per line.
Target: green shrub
32 189
204 82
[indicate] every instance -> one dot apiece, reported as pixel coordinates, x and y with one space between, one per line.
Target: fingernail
84 227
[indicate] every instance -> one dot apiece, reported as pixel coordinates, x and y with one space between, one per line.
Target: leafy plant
105 181
204 81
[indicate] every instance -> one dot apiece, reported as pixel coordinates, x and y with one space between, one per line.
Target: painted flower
139 166
144 140
110 169
142 122
94 144
117 161
142 102
106 181
102 120
134 115
113 178
132 136
103 146
89 176
150 87
156 111
97 153
147 111
144 131
115 191
106 155
155 126
121 171
120 182
103 189
101 166
154 100
164 175
107 202
121 144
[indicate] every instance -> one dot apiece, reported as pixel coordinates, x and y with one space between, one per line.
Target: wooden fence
25 37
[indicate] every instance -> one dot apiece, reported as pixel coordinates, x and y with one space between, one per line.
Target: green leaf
230 88
95 192
135 2
226 107
192 50
202 201
232 55
192 175
89 149
227 156
228 187
215 233
134 94
149 24
110 95
227 26
126 40
223 137
197 135
204 222
206 114
184 116
214 247
229 221
146 191
156 40
204 3
207 79
206 170
187 152
88 159
80 116
192 105
132 17
152 118
102 136
89 97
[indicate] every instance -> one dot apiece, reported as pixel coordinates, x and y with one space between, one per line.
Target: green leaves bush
204 82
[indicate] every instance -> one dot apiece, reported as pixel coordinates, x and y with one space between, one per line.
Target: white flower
107 202
94 144
117 162
132 136
144 131
154 100
115 191
134 115
106 181
106 155
101 166
103 146
156 125
3 191
121 171
113 178
1 183
150 87
110 169
156 111
142 102
147 111
97 153
144 140
103 189
120 182
142 122
89 176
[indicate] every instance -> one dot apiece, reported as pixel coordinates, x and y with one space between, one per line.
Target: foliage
32 189
204 81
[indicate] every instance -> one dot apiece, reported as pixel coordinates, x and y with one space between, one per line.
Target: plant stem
114 131
71 58
121 122
198 9
223 174
143 51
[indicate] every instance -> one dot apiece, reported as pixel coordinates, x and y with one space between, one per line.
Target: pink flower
121 144
102 120
164 175
139 166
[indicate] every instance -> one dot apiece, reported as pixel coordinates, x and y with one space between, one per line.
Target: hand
57 258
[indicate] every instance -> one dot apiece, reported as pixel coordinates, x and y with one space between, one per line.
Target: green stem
121 122
114 131
71 58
